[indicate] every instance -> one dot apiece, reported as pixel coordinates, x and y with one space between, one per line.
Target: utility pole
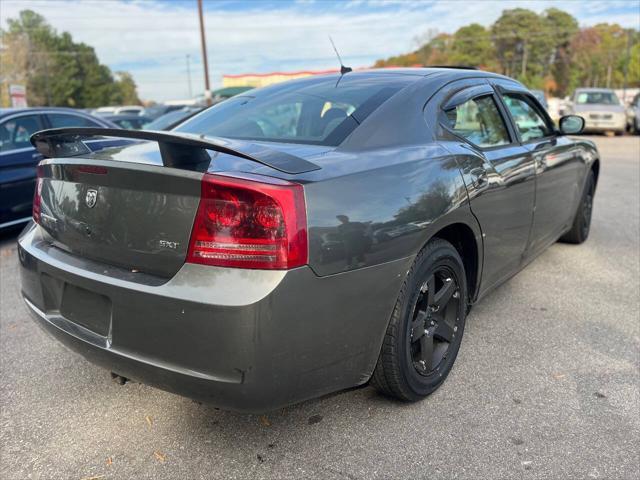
523 70
203 41
46 79
189 75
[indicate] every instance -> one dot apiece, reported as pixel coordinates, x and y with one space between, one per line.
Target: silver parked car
601 109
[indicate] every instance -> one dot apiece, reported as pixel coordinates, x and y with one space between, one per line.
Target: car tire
426 327
582 221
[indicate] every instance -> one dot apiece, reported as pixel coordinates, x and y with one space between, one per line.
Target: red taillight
37 196
249 224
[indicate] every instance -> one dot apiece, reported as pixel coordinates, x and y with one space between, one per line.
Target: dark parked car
157 111
304 238
18 158
130 121
171 119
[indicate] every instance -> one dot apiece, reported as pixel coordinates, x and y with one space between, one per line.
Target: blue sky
151 38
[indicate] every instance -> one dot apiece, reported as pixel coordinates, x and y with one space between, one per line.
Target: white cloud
151 38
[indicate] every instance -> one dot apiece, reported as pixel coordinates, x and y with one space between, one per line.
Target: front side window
16 132
479 121
529 122
63 120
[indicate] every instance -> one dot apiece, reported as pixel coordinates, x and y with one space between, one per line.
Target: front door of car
18 161
556 162
498 172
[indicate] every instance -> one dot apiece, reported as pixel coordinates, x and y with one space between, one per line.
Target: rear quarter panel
386 209
588 155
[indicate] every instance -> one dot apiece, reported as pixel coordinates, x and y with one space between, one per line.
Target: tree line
547 51
56 70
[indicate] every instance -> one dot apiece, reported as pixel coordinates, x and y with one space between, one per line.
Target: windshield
599 98
320 112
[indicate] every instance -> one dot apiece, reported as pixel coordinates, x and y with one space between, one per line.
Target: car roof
452 72
593 89
11 111
379 76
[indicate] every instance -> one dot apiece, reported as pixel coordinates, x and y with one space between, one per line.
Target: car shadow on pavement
294 431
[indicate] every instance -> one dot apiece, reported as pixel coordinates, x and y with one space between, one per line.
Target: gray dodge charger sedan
302 238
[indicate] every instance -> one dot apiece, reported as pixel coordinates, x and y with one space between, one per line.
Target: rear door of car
498 173
18 161
557 164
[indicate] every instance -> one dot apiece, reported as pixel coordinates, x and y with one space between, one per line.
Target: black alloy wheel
581 226
587 209
425 330
435 319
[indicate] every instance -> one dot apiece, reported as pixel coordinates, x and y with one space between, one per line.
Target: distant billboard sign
264 79
18 95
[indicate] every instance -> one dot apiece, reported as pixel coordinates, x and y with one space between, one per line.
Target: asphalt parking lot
547 385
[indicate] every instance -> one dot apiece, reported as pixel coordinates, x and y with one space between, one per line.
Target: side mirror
571 124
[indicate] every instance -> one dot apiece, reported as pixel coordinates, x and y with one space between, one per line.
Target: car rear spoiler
177 149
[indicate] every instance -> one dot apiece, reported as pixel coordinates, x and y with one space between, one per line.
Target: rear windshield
597 98
319 112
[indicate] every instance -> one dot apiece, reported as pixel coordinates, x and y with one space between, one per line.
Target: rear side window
16 132
479 121
321 113
529 121
63 120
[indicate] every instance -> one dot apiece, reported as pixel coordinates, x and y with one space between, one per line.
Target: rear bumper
246 340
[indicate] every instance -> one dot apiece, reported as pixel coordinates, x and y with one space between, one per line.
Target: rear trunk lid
134 216
134 206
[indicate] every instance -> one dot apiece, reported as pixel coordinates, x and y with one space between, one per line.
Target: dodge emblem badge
91 198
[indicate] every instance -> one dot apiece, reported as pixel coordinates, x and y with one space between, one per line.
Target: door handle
481 179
